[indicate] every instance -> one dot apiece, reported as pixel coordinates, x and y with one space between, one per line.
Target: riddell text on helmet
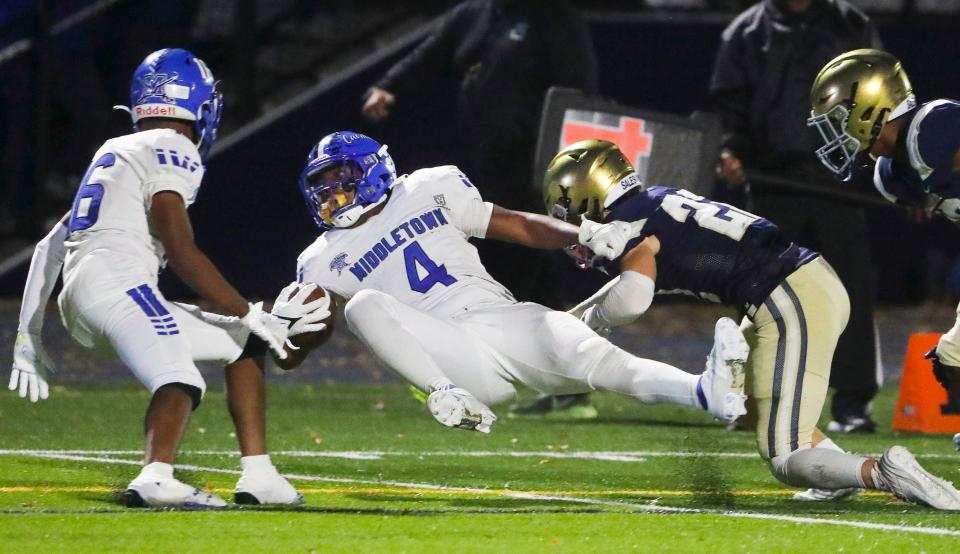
156 111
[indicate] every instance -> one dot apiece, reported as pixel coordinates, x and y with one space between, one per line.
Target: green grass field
380 475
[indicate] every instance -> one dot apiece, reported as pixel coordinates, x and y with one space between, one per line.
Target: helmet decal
173 83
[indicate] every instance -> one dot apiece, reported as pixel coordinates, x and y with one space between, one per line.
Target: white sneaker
455 407
902 475
720 387
155 491
825 495
265 487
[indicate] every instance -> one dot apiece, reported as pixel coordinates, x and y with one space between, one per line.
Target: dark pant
838 230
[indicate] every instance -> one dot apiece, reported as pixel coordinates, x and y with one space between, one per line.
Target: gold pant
792 337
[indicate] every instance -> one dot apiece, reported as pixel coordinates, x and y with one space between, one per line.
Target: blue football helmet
173 83
363 167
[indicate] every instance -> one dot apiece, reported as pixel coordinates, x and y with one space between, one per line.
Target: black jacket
504 54
766 65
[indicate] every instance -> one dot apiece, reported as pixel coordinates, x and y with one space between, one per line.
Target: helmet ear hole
867 114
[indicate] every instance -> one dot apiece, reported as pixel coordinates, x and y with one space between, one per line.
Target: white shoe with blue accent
455 407
720 388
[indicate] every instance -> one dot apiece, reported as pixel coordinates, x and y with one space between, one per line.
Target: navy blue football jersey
707 249
932 138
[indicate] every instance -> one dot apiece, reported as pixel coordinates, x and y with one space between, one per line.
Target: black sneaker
564 406
852 424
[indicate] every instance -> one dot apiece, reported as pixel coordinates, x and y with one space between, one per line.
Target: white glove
606 240
455 407
30 366
303 317
268 327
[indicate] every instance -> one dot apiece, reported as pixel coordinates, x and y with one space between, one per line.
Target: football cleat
148 491
720 388
455 407
825 495
266 487
900 474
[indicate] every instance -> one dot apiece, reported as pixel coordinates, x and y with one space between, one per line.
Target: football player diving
795 309
397 247
864 108
129 219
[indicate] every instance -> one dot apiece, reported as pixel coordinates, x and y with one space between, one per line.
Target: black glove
949 378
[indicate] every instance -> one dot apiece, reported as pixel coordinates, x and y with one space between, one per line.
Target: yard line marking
599 455
651 507
408 490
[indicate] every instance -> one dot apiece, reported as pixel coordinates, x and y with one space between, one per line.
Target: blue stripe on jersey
152 299
801 368
777 377
155 310
138 298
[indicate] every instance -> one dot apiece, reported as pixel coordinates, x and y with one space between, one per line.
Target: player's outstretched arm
629 295
31 363
533 230
169 219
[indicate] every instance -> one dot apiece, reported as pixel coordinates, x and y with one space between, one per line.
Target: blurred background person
768 58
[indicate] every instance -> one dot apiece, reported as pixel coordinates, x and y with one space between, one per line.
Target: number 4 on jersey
414 258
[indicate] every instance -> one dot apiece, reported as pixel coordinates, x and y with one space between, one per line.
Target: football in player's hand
315 339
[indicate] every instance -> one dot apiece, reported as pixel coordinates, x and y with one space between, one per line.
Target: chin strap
349 217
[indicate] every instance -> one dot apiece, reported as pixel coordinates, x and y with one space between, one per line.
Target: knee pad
195 393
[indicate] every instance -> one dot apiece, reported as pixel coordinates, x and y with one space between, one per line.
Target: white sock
830 445
257 464
157 470
819 468
649 381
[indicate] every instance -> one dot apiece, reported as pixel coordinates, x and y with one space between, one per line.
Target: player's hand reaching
302 316
268 327
606 240
949 378
31 364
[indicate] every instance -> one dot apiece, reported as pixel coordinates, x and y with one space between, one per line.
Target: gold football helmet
853 96
581 180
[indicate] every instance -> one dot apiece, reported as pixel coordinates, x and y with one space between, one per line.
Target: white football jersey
111 210
415 249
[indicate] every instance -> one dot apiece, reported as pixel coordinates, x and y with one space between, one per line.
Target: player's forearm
199 273
625 301
533 230
45 267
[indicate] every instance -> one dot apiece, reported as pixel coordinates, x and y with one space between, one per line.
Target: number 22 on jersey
86 205
715 216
